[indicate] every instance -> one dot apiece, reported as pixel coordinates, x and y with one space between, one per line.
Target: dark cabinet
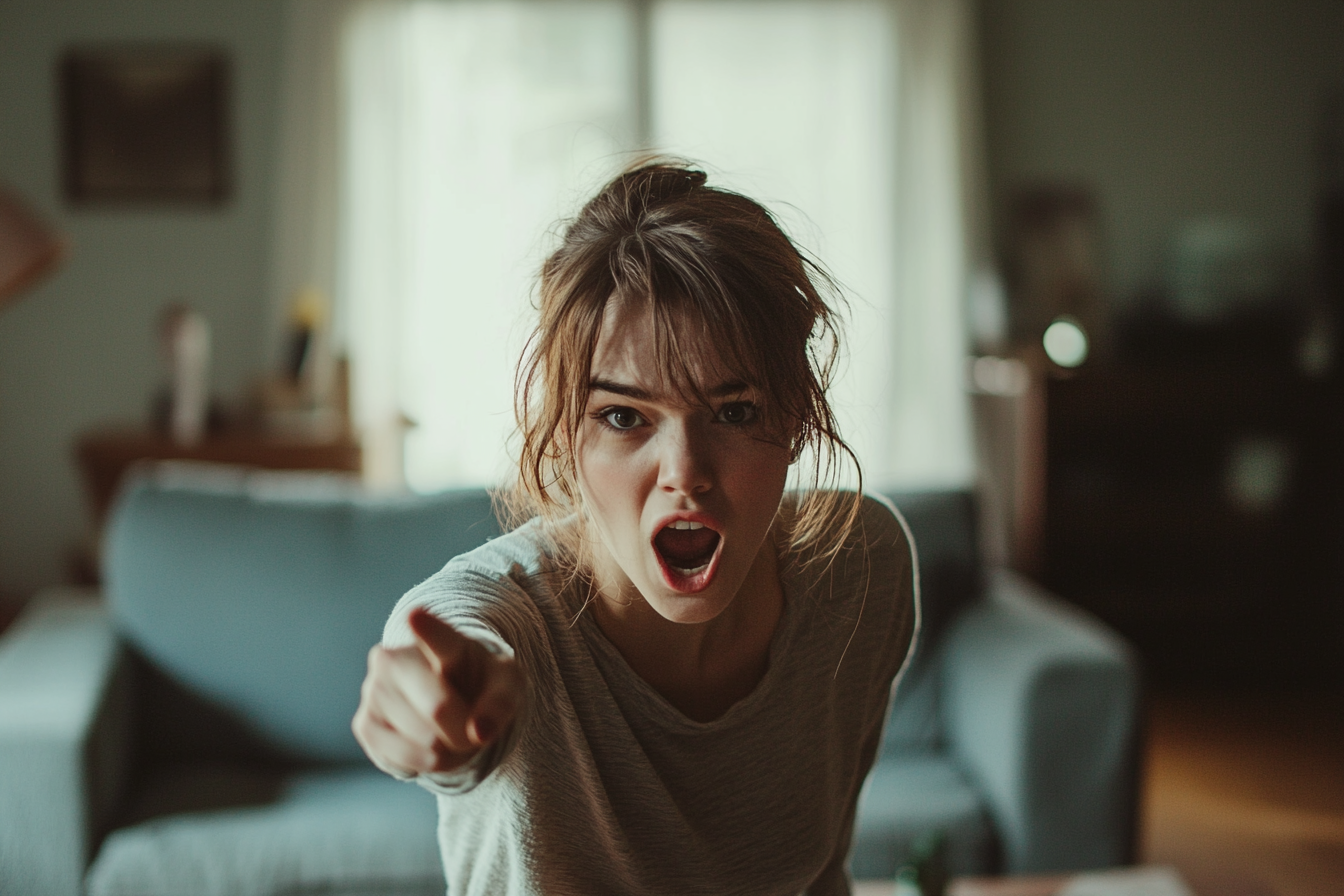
1198 509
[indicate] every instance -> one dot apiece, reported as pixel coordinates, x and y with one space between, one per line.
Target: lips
686 546
687 550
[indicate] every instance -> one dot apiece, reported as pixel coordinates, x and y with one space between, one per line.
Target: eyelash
603 416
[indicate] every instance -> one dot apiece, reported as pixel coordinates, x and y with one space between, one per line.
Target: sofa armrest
64 739
1041 706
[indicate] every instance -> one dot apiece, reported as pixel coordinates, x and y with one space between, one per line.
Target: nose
685 465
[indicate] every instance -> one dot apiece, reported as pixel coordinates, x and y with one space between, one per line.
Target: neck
701 668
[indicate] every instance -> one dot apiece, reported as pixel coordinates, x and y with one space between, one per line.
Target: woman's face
679 496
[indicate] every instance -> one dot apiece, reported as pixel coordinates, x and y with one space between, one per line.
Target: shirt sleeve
491 609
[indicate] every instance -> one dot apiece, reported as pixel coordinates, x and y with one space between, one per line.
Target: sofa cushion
342 831
262 592
910 797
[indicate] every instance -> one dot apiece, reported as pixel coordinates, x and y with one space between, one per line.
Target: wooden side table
105 455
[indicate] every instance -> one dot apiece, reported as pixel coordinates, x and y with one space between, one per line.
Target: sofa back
253 599
261 593
945 525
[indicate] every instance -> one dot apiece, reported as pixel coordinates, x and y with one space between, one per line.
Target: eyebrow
723 390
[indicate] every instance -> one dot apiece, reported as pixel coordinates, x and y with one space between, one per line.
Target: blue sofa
188 732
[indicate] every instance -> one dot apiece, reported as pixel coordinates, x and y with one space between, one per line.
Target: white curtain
471 126
941 243
793 104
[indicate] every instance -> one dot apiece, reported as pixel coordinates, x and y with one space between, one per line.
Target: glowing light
1065 342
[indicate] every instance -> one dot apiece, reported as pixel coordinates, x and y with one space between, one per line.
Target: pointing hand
433 705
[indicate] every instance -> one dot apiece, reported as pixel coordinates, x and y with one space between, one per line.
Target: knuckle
364 724
409 757
443 711
443 758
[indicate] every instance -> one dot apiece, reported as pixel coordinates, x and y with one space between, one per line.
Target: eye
737 412
622 419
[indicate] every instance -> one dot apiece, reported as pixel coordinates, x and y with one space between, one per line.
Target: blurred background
1094 254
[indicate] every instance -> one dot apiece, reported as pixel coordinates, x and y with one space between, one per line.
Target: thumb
497 704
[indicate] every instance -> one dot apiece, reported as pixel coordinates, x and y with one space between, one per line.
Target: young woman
674 677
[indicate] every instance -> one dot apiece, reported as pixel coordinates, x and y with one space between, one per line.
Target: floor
1245 792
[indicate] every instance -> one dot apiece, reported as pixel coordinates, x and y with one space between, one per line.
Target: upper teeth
686 524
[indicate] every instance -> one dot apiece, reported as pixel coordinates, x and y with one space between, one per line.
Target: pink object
29 249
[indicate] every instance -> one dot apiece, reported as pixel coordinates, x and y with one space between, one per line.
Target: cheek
609 477
758 475
769 459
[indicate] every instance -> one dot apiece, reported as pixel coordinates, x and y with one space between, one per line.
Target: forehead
631 350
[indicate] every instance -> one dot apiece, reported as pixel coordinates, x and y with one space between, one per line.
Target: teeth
686 524
690 572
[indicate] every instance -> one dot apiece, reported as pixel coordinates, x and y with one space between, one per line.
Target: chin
683 609
695 599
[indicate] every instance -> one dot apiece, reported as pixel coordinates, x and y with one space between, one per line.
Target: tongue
687 548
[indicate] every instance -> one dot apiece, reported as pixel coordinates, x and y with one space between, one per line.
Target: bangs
721 323
696 353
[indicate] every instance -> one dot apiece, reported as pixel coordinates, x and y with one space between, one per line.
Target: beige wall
79 349
1169 109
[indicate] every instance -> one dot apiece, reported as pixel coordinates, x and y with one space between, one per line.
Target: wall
79 350
1168 109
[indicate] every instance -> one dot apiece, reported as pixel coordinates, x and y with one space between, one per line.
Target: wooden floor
1244 792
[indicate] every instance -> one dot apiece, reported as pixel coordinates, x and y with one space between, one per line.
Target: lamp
29 249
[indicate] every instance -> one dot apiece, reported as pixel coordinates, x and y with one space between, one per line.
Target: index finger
442 645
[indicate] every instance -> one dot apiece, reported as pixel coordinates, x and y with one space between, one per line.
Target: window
473 126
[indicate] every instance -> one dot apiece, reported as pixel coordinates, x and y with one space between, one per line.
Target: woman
673 678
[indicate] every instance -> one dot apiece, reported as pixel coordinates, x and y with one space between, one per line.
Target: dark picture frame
146 124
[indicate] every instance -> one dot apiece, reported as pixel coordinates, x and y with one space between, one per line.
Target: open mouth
686 549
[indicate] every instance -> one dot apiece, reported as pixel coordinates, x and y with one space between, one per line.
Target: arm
430 708
64 744
1041 707
834 879
898 652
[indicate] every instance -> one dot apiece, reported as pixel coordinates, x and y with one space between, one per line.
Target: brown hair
714 268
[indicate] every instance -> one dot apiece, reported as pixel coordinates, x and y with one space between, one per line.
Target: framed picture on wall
145 123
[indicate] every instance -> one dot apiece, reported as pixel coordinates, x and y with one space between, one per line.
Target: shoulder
883 527
494 589
879 550
864 530
870 585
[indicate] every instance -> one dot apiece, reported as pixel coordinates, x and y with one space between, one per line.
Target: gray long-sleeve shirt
602 786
